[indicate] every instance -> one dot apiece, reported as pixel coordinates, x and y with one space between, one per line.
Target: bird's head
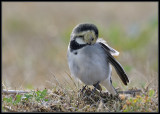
85 34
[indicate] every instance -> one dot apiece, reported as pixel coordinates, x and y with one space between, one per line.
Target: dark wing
119 69
111 50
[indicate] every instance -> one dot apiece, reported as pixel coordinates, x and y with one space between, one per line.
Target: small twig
129 92
147 86
14 91
71 78
9 109
57 80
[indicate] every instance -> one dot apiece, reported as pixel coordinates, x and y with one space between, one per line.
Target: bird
90 58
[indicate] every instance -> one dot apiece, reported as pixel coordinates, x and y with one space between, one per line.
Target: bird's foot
96 86
84 87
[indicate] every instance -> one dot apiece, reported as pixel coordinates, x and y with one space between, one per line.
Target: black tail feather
119 69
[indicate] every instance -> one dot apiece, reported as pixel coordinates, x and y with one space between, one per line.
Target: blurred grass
35 38
118 37
15 25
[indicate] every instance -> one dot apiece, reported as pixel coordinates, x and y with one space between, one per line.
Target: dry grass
63 100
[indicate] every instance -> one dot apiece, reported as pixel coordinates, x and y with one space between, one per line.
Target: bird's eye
92 39
80 36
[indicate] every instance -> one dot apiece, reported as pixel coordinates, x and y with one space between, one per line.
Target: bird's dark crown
84 27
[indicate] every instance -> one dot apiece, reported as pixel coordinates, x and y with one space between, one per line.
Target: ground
35 38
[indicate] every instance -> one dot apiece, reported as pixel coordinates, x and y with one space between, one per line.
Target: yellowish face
89 37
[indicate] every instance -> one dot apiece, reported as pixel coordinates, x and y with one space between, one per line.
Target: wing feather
111 50
119 69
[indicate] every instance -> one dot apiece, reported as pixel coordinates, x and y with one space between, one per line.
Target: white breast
89 65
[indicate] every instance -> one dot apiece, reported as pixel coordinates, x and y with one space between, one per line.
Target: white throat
80 41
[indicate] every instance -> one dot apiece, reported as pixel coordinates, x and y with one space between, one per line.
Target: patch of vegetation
142 103
35 96
61 100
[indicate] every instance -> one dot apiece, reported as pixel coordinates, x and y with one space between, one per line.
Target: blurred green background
35 37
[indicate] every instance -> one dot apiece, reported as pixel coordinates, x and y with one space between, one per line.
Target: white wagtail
90 58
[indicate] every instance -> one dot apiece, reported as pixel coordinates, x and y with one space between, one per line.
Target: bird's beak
89 43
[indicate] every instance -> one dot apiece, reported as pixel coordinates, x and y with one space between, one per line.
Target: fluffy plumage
91 61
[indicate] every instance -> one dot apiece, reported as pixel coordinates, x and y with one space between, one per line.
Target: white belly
89 65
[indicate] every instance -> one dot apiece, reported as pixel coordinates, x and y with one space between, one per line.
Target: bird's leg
107 84
96 86
83 88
